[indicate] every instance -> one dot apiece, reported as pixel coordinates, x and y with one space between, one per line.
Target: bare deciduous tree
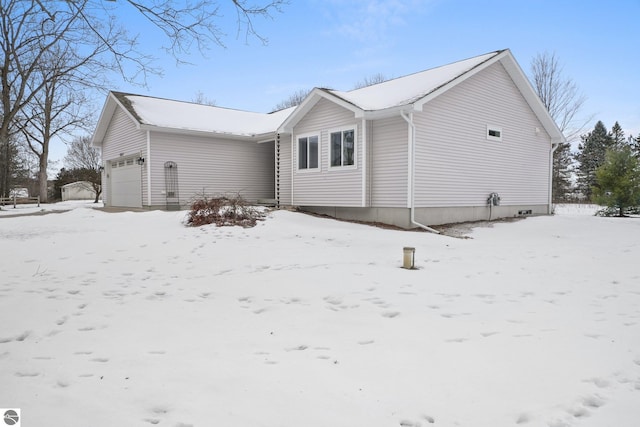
56 109
85 158
559 94
293 100
30 30
201 98
370 81
564 101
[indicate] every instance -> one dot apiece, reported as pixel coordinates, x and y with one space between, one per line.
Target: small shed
79 190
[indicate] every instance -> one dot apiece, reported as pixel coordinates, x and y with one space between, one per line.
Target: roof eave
253 137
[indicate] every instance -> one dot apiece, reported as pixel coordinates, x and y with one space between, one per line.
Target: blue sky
336 43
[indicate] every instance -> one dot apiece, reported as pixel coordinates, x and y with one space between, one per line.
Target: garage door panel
125 184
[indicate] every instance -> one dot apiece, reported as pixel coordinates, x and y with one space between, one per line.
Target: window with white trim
308 152
494 133
342 148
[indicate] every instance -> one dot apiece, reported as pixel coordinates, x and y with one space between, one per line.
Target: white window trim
495 129
353 127
296 157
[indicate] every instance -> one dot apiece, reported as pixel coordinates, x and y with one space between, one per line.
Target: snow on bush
223 211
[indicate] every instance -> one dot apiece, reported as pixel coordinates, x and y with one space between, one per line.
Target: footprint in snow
599 382
593 401
333 300
391 314
20 337
27 374
488 334
457 340
408 423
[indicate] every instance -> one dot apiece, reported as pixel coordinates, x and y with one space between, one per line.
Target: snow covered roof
186 117
406 93
408 89
411 92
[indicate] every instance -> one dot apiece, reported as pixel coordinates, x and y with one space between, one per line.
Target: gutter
412 171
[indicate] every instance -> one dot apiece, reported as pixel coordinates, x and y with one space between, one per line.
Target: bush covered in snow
221 211
615 211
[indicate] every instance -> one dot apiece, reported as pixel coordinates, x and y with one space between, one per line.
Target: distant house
461 142
80 190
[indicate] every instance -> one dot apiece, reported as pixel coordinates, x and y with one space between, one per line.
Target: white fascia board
389 112
100 131
204 134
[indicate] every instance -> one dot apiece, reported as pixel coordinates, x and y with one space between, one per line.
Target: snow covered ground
132 319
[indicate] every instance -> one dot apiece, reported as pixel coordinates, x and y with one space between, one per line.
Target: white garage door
125 183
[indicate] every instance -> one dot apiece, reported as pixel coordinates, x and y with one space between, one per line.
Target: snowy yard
132 319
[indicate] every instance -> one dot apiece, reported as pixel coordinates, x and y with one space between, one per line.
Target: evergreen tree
617 136
618 180
591 155
634 143
562 170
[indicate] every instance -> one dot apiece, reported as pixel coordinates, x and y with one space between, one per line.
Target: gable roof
411 88
150 113
411 92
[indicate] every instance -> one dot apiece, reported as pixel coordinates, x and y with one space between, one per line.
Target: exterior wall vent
494 133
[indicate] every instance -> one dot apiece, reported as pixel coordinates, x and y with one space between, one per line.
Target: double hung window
308 152
342 148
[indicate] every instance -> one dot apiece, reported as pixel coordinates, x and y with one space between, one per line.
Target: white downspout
148 162
412 171
553 150
364 163
293 166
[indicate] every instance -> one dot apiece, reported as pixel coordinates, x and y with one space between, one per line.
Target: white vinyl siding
122 139
213 167
340 186
388 164
456 165
285 169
